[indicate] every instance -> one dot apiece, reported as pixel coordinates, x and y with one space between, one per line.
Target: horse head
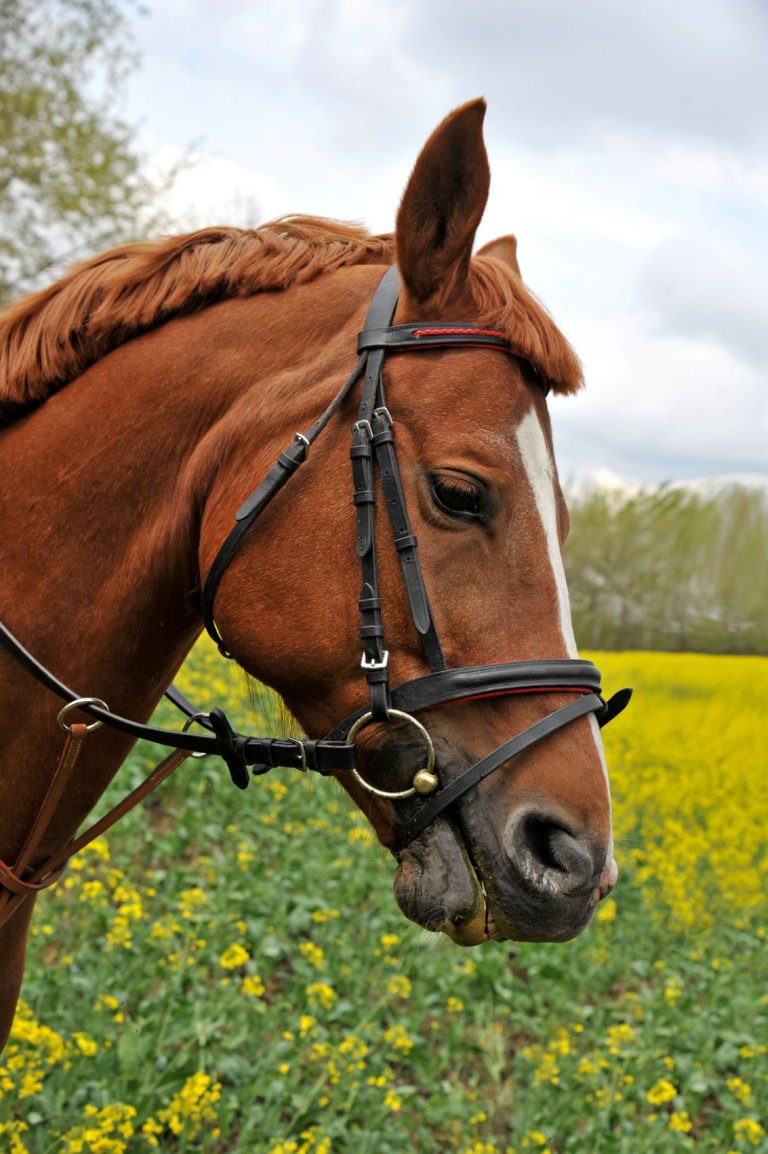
526 852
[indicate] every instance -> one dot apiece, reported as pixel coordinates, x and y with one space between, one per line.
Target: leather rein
372 452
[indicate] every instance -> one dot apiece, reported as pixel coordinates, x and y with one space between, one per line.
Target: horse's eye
457 496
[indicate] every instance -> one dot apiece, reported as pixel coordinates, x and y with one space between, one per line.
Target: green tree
71 179
670 568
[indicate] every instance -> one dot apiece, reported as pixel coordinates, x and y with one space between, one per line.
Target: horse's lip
481 928
491 930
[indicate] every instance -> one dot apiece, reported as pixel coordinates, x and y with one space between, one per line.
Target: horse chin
436 886
439 886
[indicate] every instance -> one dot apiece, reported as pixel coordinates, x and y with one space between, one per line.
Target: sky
628 146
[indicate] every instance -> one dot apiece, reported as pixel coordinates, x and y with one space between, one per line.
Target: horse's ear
504 248
443 204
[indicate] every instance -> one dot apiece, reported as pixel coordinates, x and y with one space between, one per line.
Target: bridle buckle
370 663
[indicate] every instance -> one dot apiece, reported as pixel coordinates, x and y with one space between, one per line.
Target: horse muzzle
539 881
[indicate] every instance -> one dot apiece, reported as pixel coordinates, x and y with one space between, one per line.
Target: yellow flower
234 956
392 1100
619 1037
320 993
314 954
672 993
397 1037
355 1048
85 1044
253 986
399 986
606 911
105 1131
320 916
739 1089
106 1002
454 1005
192 900
662 1091
12 1130
749 1129
697 851
192 1106
680 1121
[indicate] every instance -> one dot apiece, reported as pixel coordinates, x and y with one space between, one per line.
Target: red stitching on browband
466 332
509 692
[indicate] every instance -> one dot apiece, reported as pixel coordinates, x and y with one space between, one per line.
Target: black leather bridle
372 452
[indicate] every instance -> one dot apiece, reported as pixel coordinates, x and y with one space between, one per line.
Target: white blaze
541 477
540 471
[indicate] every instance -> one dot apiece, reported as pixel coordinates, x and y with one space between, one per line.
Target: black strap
284 468
477 681
323 757
405 540
374 426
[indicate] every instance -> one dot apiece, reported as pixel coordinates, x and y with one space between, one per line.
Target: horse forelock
49 337
504 303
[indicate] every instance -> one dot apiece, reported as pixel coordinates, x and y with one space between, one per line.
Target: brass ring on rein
425 780
76 704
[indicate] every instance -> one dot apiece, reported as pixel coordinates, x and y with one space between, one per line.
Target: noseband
372 452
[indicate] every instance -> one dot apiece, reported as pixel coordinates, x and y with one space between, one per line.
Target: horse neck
99 537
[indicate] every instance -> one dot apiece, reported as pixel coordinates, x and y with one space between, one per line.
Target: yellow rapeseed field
689 768
229 972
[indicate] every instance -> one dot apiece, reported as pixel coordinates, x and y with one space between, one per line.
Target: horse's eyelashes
458 496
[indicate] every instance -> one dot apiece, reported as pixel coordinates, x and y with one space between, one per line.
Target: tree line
670 568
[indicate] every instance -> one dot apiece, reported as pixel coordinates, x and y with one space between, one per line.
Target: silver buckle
385 415
373 663
302 752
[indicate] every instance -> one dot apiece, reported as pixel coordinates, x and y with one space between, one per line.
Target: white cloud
627 146
704 286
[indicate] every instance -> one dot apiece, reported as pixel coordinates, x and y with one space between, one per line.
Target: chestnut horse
141 399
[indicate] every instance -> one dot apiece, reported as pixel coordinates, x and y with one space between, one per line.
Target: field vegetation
229 972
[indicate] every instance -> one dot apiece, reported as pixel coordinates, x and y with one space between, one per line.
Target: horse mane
49 337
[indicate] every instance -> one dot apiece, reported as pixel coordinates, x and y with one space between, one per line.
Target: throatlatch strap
284 468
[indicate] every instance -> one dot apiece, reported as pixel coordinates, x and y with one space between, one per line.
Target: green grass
333 1025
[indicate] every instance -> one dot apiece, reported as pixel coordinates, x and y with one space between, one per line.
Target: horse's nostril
547 854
